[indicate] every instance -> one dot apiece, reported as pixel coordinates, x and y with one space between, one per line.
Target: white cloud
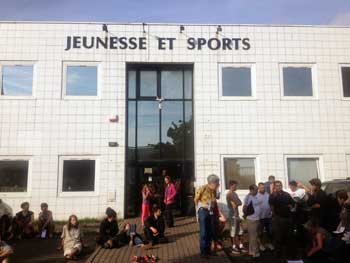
341 19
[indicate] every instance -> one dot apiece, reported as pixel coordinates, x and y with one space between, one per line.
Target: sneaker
243 249
235 251
262 248
270 246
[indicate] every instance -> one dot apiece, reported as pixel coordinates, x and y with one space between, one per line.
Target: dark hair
272 177
278 182
261 183
44 205
315 182
110 212
293 183
252 187
24 204
167 177
232 182
155 208
69 224
342 194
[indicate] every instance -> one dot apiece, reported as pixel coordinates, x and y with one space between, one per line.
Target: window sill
15 194
5 97
236 98
78 194
69 98
297 98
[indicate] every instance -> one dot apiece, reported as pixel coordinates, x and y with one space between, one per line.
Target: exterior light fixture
182 28
218 29
105 28
143 27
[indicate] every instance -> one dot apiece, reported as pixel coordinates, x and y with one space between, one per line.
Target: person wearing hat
109 230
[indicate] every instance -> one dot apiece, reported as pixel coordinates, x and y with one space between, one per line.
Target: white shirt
299 193
256 204
265 206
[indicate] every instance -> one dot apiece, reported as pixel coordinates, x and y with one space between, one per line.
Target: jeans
205 230
265 231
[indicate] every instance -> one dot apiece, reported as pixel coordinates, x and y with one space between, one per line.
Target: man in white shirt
265 235
295 191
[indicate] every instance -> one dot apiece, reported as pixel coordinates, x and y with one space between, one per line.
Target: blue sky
181 11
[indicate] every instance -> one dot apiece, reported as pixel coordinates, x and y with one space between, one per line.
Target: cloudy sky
181 11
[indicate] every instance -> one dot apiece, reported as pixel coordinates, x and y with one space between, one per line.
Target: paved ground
182 248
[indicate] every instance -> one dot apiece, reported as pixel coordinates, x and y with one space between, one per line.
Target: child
109 230
23 223
72 238
46 226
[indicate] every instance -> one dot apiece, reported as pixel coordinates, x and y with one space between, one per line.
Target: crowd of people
301 223
22 224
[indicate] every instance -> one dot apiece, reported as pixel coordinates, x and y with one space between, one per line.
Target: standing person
72 238
45 222
265 219
236 231
5 219
270 184
23 223
281 204
204 200
169 201
146 203
318 201
252 211
155 227
218 224
295 191
109 230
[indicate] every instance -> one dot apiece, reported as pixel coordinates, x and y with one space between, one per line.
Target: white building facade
90 112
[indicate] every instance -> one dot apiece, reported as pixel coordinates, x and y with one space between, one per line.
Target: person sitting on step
155 227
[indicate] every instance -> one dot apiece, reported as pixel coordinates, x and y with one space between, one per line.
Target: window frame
66 64
29 175
34 82
252 67
340 66
303 156
313 68
241 192
61 160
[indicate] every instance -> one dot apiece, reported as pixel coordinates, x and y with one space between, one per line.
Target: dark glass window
241 170
17 80
188 84
132 84
13 176
148 83
172 130
345 73
131 130
78 175
172 84
236 81
148 130
297 81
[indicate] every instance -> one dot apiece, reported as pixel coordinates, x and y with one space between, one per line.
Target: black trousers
101 240
168 214
5 223
281 231
155 239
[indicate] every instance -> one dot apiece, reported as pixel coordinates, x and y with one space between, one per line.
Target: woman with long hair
146 203
71 238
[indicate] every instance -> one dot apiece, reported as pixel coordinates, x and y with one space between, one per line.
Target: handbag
249 209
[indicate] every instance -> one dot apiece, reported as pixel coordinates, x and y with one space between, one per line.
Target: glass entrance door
159 129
